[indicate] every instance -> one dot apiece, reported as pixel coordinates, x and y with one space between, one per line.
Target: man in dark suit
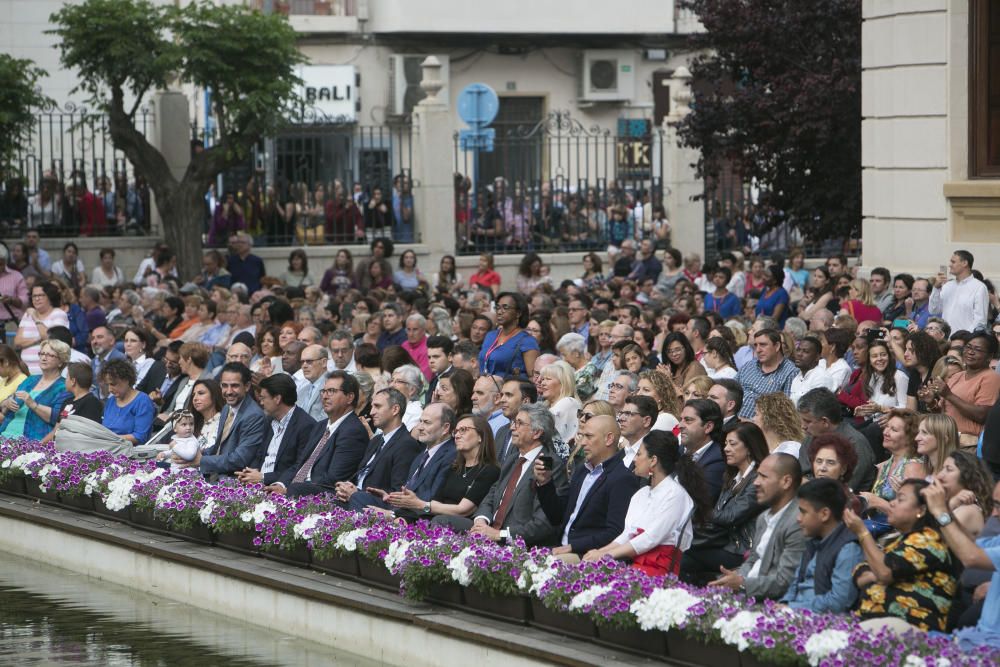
290 429
335 445
242 426
428 470
386 463
102 342
592 513
514 393
511 508
701 427
438 360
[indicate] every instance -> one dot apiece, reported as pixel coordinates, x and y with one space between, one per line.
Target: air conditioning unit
404 82
607 75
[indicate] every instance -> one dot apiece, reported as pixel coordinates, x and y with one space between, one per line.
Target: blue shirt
728 306
386 339
768 303
987 631
248 271
842 593
507 358
497 421
135 419
756 383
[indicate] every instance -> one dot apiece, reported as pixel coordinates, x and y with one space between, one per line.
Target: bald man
591 514
314 360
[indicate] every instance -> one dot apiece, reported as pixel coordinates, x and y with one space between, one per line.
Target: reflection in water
50 616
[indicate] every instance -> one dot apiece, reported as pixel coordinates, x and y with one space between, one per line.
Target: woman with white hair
33 409
572 347
558 390
441 320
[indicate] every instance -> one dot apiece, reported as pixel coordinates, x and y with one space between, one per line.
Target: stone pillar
433 166
172 137
687 216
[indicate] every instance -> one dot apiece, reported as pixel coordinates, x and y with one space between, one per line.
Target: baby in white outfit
184 444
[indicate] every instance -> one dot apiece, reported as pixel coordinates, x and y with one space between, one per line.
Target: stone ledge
974 189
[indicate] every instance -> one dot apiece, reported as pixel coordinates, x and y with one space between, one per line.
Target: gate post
171 136
686 215
433 168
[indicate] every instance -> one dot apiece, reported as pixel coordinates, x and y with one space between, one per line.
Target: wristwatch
427 508
504 536
944 519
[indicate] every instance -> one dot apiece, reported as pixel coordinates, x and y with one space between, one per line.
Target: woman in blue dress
773 298
509 349
722 301
33 409
127 412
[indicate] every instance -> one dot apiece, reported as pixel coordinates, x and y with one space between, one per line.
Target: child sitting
184 445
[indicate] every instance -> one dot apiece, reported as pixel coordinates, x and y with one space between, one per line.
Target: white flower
942 662
458 569
534 576
303 529
395 554
733 629
90 484
43 474
120 489
824 644
349 541
664 609
205 513
24 460
165 495
259 512
6 463
581 601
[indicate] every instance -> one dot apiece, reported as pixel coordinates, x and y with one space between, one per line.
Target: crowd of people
816 437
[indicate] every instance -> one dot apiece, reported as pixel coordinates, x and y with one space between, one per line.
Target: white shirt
737 284
75 356
839 370
788 447
814 379
351 367
663 513
564 413
724 373
142 366
278 427
412 414
963 304
526 467
897 400
772 520
696 456
630 452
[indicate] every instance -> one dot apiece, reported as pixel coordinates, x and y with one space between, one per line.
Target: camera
874 334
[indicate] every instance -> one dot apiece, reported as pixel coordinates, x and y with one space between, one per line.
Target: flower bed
615 603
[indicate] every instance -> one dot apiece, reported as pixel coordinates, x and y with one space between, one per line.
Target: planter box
648 642
240 540
686 649
102 509
343 565
448 594
34 490
77 501
145 519
561 622
14 485
748 659
375 573
300 555
196 533
511 608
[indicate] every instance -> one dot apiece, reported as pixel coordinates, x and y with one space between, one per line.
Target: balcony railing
311 7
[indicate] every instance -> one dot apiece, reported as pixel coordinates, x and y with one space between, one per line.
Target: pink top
419 354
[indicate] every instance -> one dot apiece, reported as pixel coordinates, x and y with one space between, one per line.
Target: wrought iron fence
560 186
69 179
318 182
311 7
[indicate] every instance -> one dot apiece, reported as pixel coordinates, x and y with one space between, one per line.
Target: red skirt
664 559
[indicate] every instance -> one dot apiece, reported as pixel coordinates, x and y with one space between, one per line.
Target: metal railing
69 179
559 186
310 7
319 183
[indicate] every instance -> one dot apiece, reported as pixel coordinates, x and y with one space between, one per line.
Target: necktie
508 493
307 467
367 468
227 427
422 461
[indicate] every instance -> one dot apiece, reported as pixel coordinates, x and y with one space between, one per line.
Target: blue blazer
713 466
390 469
293 441
432 476
241 448
602 515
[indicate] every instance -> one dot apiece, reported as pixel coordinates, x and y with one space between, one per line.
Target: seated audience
127 412
33 409
779 420
821 414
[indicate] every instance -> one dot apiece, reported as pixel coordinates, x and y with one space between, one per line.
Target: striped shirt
756 383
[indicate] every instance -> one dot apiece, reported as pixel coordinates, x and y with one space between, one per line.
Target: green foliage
19 98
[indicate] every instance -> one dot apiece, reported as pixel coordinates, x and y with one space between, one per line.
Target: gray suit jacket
314 405
781 556
241 448
526 518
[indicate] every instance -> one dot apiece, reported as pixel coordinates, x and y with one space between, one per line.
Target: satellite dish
478 105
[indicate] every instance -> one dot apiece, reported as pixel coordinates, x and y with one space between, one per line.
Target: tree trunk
183 213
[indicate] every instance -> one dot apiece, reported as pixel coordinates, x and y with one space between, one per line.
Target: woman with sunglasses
468 481
509 349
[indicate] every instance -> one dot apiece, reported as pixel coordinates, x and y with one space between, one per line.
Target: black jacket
293 441
733 519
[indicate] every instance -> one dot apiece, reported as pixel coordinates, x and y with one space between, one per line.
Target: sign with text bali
329 94
634 149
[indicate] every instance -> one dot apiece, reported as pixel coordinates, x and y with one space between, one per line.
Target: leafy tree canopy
778 98
20 97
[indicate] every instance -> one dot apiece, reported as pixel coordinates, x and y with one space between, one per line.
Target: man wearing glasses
514 394
314 362
579 315
622 386
636 420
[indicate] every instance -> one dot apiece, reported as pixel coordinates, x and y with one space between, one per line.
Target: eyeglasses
521 424
329 392
584 416
575 309
618 385
462 430
627 414
47 355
